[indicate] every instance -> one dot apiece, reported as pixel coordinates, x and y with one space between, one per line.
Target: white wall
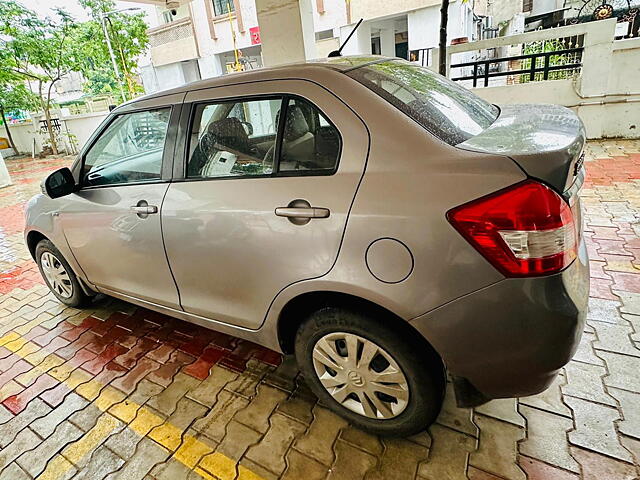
606 95
424 25
81 127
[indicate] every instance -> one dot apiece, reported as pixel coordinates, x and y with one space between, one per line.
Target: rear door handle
302 212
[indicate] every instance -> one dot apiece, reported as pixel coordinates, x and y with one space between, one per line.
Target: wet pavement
116 391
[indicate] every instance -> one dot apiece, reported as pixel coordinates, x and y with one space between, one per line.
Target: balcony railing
173 42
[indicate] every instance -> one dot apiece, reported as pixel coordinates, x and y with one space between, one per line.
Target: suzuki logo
355 378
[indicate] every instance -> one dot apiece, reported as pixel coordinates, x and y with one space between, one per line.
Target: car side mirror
59 183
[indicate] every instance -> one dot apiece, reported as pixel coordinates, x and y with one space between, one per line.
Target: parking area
117 391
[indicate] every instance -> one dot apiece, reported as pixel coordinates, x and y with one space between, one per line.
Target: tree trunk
6 127
46 105
442 54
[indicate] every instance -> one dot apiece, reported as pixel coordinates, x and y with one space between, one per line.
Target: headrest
296 126
227 129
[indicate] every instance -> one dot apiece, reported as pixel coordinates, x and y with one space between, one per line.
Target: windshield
452 113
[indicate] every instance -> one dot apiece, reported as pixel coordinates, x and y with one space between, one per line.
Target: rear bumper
510 339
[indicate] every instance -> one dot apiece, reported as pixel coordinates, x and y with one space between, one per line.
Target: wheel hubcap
360 375
56 275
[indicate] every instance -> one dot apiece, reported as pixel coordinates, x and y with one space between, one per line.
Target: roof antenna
336 53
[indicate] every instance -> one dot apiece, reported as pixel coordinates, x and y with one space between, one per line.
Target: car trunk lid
546 141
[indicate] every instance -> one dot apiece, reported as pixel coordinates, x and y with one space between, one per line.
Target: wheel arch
33 238
300 307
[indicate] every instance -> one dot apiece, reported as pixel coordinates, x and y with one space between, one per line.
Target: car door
249 218
112 224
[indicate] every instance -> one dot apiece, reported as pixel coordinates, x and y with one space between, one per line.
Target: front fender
41 219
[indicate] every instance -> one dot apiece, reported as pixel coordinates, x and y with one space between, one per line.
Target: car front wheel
372 375
59 276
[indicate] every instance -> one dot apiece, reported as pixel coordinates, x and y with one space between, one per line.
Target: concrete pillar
388 42
596 58
286 31
360 42
5 179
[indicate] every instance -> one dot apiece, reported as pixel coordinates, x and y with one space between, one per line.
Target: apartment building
205 38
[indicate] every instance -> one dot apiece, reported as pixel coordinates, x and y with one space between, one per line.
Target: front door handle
146 210
143 209
297 212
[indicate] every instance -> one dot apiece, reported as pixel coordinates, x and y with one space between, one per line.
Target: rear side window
310 143
129 150
449 111
231 139
262 137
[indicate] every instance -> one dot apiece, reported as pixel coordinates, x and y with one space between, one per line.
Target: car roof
339 64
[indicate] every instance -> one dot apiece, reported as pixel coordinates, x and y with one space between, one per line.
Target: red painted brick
601 288
200 368
128 382
17 403
268 356
128 359
164 375
70 350
35 332
7 362
18 368
536 470
100 343
55 396
161 354
108 354
53 333
629 282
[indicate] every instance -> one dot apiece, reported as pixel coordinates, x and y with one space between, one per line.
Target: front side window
129 150
235 138
449 111
222 7
310 143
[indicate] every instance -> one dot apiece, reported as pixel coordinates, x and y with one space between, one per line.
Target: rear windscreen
452 113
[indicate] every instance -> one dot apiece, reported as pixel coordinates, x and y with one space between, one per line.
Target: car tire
401 363
59 276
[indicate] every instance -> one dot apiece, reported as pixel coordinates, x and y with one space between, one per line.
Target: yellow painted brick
56 468
219 465
16 344
145 422
191 451
107 398
90 390
9 337
90 440
77 378
245 474
27 349
167 435
125 411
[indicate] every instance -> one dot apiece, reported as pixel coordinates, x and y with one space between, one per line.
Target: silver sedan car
371 217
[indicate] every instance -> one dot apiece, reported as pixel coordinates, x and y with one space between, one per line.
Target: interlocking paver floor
120 392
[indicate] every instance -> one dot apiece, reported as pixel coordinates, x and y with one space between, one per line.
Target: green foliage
16 98
128 34
33 48
560 59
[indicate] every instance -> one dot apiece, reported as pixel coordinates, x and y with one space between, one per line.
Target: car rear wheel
59 276
375 377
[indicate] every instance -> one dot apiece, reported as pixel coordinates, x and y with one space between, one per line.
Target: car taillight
523 230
